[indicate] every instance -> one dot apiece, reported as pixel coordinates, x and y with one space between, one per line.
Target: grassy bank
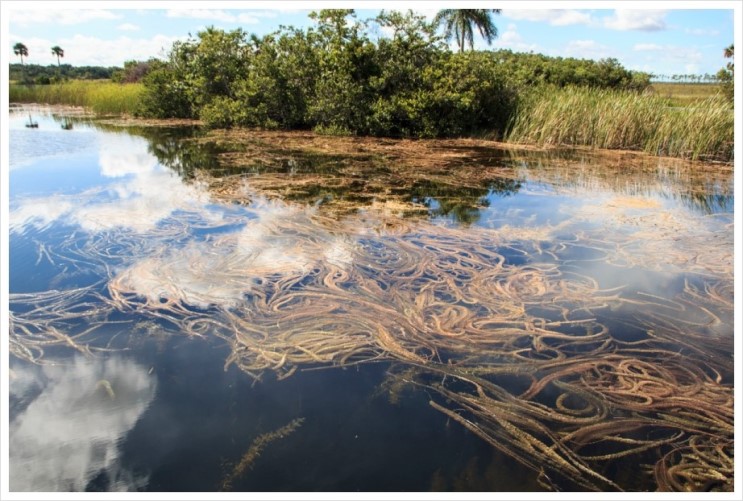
625 120
103 97
685 94
607 119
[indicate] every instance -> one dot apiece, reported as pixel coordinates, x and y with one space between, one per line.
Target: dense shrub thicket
391 75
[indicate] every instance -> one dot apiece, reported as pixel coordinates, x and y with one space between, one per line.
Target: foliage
133 71
345 57
726 75
281 83
35 73
527 70
57 51
616 119
20 50
337 78
164 93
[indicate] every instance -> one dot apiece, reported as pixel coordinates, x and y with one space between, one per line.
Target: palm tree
57 51
460 23
729 53
20 50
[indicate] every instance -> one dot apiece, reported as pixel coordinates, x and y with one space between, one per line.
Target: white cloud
82 50
128 27
511 39
218 15
510 35
701 32
691 56
647 47
692 68
586 49
643 20
65 16
555 17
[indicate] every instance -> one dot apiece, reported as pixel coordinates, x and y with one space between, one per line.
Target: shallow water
190 312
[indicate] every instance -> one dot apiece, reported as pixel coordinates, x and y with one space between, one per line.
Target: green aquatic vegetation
615 119
102 97
255 450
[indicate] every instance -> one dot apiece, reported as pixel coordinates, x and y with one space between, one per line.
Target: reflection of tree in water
170 145
356 180
185 157
172 148
461 203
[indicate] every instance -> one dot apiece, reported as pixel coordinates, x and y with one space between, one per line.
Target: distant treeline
341 76
690 78
37 74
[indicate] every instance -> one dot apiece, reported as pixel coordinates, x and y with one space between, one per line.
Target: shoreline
309 136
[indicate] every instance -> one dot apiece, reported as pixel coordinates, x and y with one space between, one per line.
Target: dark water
164 298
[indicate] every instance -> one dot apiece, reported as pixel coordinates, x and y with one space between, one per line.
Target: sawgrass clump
616 119
102 97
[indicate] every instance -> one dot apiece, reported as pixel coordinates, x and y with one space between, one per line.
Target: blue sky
648 36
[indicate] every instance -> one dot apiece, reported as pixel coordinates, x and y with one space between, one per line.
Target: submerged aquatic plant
500 326
255 450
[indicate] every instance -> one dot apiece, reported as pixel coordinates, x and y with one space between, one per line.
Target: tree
726 75
20 50
460 23
57 51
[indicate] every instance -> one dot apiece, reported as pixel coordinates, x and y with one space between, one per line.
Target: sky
658 37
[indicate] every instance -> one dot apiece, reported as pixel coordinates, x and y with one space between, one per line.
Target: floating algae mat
436 315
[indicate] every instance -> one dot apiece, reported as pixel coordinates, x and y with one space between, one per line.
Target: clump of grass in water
255 450
625 120
103 97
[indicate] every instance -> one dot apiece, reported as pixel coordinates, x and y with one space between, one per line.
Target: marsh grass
625 120
102 97
685 94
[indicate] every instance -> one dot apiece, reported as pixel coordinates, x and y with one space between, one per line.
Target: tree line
338 77
42 75
707 78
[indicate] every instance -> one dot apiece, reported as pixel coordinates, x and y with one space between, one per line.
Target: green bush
165 94
222 112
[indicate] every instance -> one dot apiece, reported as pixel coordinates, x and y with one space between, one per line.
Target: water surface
286 312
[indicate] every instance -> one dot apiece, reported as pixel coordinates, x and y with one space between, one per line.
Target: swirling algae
528 355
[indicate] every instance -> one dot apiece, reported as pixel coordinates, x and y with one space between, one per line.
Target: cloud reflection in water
69 432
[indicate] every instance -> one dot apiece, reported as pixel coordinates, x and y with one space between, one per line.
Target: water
279 312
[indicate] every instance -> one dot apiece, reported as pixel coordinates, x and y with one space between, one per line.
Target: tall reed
102 97
624 120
